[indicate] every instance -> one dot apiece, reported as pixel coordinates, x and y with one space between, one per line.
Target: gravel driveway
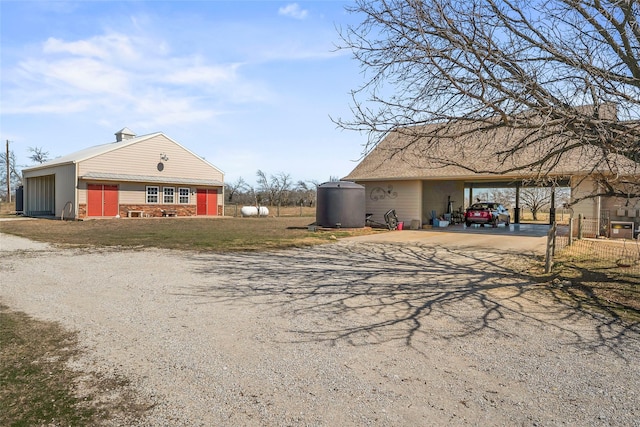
352 333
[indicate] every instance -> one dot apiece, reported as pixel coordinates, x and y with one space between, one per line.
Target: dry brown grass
589 275
217 234
38 388
7 209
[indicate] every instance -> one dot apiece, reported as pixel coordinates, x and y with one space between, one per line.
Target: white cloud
83 75
160 109
114 73
115 46
293 10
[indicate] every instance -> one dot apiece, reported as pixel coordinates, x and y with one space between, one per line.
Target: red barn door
110 199
207 202
102 200
94 200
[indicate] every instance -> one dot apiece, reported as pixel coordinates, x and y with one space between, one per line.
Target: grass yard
208 234
591 288
588 277
36 386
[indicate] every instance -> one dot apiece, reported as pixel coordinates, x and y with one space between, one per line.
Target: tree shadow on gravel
370 293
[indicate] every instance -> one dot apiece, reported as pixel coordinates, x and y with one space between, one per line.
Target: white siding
142 158
403 196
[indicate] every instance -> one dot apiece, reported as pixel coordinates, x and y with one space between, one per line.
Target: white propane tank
254 211
249 211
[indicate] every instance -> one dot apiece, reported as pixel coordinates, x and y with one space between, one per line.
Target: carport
405 174
518 185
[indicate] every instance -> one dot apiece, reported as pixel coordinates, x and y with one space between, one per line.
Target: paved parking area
534 230
517 238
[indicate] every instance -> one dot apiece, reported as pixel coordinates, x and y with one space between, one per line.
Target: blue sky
247 85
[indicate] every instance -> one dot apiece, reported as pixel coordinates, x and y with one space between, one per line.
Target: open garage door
40 195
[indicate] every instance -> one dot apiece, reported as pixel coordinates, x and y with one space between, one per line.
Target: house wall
622 209
587 207
50 188
142 158
601 209
134 193
435 197
403 196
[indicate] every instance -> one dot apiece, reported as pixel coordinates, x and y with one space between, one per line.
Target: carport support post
516 212
552 210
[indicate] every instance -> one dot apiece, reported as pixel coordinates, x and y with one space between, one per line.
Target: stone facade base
148 211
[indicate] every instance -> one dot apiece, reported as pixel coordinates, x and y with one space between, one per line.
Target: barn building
135 176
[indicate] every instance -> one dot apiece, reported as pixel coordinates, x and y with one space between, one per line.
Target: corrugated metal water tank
341 204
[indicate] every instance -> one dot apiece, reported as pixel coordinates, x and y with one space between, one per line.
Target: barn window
183 195
152 194
169 194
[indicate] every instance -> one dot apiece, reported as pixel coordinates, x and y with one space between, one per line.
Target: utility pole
8 175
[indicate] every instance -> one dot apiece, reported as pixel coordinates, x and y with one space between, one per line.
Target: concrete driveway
518 238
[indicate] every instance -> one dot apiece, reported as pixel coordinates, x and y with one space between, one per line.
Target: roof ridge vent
124 133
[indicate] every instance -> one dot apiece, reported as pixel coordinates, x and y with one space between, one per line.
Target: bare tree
266 187
234 188
504 196
15 179
308 191
38 155
536 199
282 184
276 187
444 70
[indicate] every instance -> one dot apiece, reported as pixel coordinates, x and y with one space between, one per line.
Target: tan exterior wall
587 207
622 209
435 196
142 158
403 196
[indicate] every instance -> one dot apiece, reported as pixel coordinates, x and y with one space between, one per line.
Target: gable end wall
142 158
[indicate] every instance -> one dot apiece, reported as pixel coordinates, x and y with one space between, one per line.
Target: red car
486 213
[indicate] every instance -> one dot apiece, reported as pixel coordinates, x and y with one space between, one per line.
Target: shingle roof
434 152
